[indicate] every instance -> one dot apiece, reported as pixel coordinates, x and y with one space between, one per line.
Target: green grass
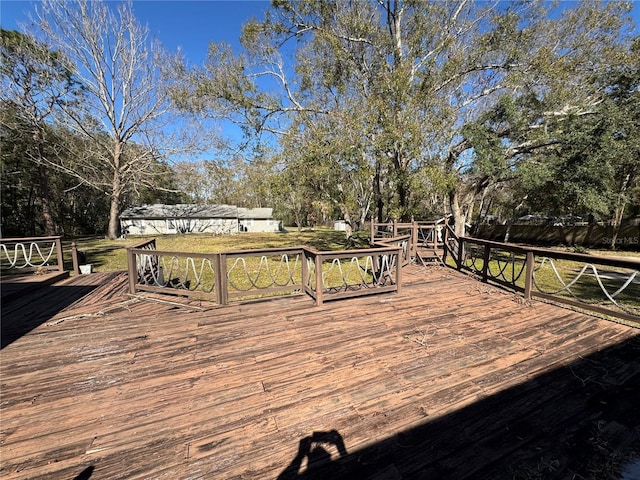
110 255
246 273
586 288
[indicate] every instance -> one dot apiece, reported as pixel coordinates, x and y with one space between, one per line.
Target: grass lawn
554 277
108 255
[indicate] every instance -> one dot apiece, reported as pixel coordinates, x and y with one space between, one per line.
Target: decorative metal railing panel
357 273
310 281
404 242
419 235
506 267
251 274
342 274
216 276
33 253
263 273
177 272
607 285
589 284
147 269
451 245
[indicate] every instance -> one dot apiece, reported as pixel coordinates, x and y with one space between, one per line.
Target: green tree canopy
462 90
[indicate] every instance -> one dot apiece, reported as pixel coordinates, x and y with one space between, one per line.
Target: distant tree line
357 110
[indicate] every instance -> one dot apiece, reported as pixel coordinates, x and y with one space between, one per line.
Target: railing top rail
353 253
397 224
451 231
143 251
385 240
229 253
30 239
547 252
274 251
407 224
141 243
262 251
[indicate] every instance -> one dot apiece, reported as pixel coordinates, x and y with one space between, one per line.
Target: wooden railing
352 273
403 241
607 285
264 273
422 235
19 255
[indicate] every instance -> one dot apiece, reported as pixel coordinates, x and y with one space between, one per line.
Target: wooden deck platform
450 379
15 286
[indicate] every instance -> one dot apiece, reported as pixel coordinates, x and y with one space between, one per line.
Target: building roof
255 213
184 210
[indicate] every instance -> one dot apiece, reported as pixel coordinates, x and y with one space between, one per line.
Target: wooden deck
15 286
450 379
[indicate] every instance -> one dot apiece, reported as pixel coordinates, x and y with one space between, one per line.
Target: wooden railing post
74 258
218 278
399 271
305 270
395 228
528 280
224 283
60 254
132 270
485 263
319 282
414 239
460 252
445 245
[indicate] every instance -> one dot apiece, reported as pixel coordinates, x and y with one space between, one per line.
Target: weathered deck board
448 379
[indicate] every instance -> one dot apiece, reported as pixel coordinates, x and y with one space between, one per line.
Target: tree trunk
459 214
377 191
618 212
348 227
364 211
364 197
45 202
507 232
403 200
402 190
113 229
45 197
114 211
617 221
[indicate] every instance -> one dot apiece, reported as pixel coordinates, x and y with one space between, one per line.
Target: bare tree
127 113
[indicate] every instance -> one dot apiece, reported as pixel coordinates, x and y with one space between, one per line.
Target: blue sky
191 24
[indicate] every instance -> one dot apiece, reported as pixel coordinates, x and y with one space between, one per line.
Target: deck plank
450 378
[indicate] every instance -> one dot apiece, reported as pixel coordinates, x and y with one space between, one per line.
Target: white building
188 218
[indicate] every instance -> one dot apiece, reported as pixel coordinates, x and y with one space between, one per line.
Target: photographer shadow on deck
319 464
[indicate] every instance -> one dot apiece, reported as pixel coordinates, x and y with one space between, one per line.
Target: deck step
430 255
